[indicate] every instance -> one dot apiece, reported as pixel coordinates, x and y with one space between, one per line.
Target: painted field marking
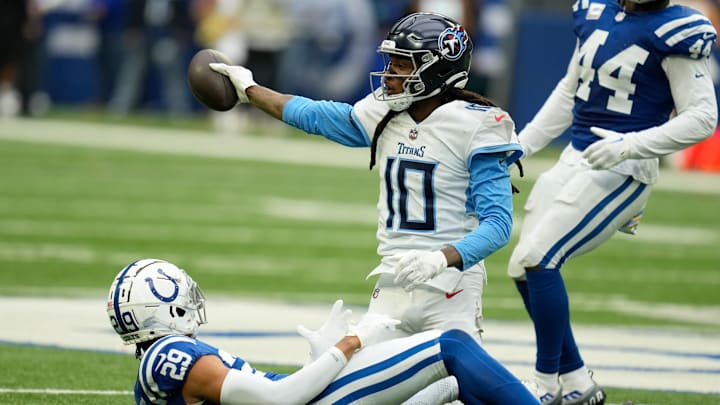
262 332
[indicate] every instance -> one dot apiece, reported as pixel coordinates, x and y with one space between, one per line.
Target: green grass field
98 371
72 217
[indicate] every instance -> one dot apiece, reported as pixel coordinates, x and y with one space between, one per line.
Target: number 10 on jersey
410 195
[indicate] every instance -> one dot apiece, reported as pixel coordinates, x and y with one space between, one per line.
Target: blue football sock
570 359
481 378
522 288
551 316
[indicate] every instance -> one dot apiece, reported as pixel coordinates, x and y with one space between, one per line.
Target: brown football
211 88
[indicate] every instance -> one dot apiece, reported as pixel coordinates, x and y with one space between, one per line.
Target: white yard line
264 332
299 151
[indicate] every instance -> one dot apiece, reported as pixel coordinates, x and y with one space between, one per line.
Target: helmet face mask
412 84
440 51
152 298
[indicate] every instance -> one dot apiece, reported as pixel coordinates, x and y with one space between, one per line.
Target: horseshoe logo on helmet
157 294
452 42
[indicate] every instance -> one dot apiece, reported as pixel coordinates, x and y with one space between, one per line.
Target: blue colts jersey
622 84
165 366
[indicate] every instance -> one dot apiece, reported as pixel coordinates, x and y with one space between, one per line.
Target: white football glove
417 266
334 329
609 151
372 328
240 76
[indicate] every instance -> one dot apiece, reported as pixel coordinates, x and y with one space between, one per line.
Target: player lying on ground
159 308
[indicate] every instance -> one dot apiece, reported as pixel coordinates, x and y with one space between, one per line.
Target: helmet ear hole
176 312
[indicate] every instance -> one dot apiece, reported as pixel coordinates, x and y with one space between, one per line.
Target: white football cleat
546 397
592 396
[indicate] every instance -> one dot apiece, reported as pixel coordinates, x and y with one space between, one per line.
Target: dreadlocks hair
449 95
378 130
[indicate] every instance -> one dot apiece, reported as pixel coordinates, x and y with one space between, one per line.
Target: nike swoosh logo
498 118
699 75
452 294
706 35
618 140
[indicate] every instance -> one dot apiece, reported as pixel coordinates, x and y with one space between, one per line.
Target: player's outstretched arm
328 118
268 100
249 91
209 378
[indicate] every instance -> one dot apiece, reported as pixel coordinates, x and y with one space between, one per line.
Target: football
212 89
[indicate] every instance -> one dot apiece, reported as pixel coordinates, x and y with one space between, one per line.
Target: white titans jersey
424 175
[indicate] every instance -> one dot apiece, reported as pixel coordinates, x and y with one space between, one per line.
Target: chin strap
139 351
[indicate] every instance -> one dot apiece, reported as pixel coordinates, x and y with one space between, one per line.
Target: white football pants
571 210
388 372
427 308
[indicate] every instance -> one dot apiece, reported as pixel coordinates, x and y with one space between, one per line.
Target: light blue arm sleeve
491 198
333 120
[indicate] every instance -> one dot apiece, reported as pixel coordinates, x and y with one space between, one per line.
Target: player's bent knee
456 342
457 334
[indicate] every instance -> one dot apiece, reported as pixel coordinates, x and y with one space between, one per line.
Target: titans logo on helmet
452 42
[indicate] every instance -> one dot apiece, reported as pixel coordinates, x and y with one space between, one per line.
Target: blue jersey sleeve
333 120
491 198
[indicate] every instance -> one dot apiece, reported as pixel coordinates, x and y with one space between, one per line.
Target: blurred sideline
264 148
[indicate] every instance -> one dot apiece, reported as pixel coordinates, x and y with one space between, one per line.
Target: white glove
372 328
417 266
240 76
334 329
609 151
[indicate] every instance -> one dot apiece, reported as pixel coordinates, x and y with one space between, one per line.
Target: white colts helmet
152 298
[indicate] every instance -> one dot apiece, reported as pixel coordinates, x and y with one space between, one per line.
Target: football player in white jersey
159 308
442 156
634 63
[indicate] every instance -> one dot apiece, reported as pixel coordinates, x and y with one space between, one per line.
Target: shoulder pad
686 32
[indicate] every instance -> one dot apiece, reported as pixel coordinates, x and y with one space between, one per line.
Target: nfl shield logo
413 134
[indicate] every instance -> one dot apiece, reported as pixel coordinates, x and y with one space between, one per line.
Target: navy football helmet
440 50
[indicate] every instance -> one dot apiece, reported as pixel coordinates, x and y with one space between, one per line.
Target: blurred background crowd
130 56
